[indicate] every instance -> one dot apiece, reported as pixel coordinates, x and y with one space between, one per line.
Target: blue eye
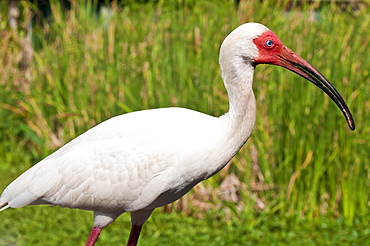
269 43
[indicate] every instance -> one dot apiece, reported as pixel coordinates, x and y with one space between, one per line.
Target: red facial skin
266 53
278 54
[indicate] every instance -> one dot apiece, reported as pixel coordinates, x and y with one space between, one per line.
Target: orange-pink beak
295 63
272 51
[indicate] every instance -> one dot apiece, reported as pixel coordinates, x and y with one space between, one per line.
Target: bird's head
251 44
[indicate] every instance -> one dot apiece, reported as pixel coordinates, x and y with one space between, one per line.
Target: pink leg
94 234
134 235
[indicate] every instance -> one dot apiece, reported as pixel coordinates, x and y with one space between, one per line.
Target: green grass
71 227
308 170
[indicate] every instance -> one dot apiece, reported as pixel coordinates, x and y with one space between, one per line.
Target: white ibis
139 161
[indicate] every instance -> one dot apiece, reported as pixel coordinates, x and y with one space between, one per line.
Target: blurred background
302 178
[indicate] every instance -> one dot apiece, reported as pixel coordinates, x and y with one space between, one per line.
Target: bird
146 159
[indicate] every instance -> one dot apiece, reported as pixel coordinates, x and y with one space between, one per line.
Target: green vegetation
301 179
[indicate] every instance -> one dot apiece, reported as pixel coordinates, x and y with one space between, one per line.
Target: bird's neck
238 121
242 105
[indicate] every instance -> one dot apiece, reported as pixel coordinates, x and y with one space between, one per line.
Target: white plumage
146 159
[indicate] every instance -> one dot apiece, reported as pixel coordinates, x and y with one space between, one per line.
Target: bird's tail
4 206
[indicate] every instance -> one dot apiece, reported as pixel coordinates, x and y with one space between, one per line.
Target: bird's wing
123 163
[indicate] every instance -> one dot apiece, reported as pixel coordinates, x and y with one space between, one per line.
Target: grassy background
303 177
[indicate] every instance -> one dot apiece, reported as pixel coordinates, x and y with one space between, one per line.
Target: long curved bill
288 59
